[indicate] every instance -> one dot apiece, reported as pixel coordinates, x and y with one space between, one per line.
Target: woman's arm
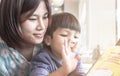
3 70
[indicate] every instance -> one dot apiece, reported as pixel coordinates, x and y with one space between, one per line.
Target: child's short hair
63 20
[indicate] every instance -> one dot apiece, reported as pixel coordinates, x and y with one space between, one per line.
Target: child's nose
72 41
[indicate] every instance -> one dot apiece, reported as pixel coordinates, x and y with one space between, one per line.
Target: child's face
59 36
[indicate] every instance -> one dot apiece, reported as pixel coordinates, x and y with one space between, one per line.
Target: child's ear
47 40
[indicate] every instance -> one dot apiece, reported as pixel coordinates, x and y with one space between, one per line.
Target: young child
59 57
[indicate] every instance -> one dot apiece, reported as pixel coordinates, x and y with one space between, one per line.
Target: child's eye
64 35
76 37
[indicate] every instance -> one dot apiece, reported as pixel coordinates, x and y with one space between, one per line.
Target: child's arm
79 71
62 72
69 62
59 72
41 66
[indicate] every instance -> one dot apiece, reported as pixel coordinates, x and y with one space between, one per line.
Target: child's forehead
66 30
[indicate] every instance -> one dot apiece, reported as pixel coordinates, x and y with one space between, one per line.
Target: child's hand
69 58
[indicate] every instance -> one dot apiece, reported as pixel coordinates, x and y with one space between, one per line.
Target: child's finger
77 57
64 48
67 47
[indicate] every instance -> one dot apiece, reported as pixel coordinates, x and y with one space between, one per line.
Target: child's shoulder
43 53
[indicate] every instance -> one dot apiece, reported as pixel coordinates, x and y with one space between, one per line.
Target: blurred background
100 24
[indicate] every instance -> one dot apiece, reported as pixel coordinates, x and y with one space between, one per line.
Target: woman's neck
26 51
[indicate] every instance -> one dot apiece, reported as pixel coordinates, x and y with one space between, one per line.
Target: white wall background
72 6
118 18
102 23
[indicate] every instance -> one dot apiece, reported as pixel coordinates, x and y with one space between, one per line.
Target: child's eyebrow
65 31
68 30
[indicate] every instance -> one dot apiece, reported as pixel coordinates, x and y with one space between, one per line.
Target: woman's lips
39 35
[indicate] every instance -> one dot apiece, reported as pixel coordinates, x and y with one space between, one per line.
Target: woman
23 24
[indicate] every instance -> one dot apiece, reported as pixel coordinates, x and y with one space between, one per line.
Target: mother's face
34 28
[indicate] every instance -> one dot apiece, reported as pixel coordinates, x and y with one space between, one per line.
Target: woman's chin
39 41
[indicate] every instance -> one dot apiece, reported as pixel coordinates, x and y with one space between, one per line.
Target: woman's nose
40 25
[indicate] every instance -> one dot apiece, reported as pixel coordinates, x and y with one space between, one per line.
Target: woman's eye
32 19
45 17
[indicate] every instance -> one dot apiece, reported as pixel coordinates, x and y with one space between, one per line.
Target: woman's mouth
39 35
